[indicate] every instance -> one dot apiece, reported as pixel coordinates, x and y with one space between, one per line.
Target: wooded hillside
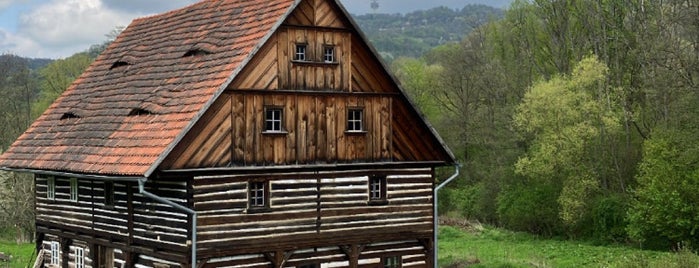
572 118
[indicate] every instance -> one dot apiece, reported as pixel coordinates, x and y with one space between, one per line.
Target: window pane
51 188
273 120
300 52
329 54
73 189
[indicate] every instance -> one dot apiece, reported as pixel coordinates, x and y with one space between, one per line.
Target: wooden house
234 133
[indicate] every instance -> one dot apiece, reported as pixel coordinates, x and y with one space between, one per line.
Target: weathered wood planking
317 13
312 205
315 128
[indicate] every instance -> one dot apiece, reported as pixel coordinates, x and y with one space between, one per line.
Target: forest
572 119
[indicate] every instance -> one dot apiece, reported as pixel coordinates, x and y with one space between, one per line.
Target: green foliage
608 218
531 208
564 118
664 211
414 34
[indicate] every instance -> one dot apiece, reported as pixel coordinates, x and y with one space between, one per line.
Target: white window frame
51 188
257 196
74 189
55 253
79 257
355 120
329 54
274 120
392 262
301 52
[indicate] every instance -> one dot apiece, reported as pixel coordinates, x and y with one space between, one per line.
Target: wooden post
353 252
278 258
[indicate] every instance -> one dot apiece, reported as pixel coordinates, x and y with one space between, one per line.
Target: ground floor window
55 252
391 262
79 258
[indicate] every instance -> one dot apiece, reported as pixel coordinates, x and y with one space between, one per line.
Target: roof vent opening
118 64
196 52
139 112
69 115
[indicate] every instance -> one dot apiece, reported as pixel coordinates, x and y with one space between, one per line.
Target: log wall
313 209
132 222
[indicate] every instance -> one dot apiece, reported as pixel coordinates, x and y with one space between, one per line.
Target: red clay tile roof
145 69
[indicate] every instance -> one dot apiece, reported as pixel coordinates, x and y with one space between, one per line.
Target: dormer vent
139 112
196 52
118 64
69 115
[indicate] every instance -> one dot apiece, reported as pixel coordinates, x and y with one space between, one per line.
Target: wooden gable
315 97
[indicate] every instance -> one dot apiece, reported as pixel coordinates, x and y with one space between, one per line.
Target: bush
664 210
609 219
532 209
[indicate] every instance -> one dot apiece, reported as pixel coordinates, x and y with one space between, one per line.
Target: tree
664 210
569 120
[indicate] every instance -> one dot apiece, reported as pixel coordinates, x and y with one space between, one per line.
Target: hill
413 34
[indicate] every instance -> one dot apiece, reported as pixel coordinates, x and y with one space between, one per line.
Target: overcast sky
60 28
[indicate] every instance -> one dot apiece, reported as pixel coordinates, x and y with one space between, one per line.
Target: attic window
69 115
196 52
118 64
139 112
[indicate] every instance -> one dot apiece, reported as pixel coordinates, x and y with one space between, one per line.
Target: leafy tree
664 211
567 119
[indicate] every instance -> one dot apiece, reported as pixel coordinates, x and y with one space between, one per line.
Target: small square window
392 262
79 258
74 189
329 54
55 252
377 189
300 52
51 188
108 193
355 120
273 120
258 195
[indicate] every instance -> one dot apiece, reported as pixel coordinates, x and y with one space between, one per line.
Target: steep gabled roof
147 89
137 101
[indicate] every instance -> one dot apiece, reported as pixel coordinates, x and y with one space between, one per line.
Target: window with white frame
300 54
55 253
377 189
329 54
392 262
74 189
258 194
51 188
273 119
355 120
79 257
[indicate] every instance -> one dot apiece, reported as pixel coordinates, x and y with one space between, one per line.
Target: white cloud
65 23
10 43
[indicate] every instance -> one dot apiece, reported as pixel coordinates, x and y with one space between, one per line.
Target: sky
59 28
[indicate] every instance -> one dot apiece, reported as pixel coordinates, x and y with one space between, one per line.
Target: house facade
234 133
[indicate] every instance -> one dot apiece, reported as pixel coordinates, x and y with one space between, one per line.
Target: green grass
21 254
490 247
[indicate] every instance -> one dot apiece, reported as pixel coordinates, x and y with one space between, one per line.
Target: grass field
21 254
478 246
